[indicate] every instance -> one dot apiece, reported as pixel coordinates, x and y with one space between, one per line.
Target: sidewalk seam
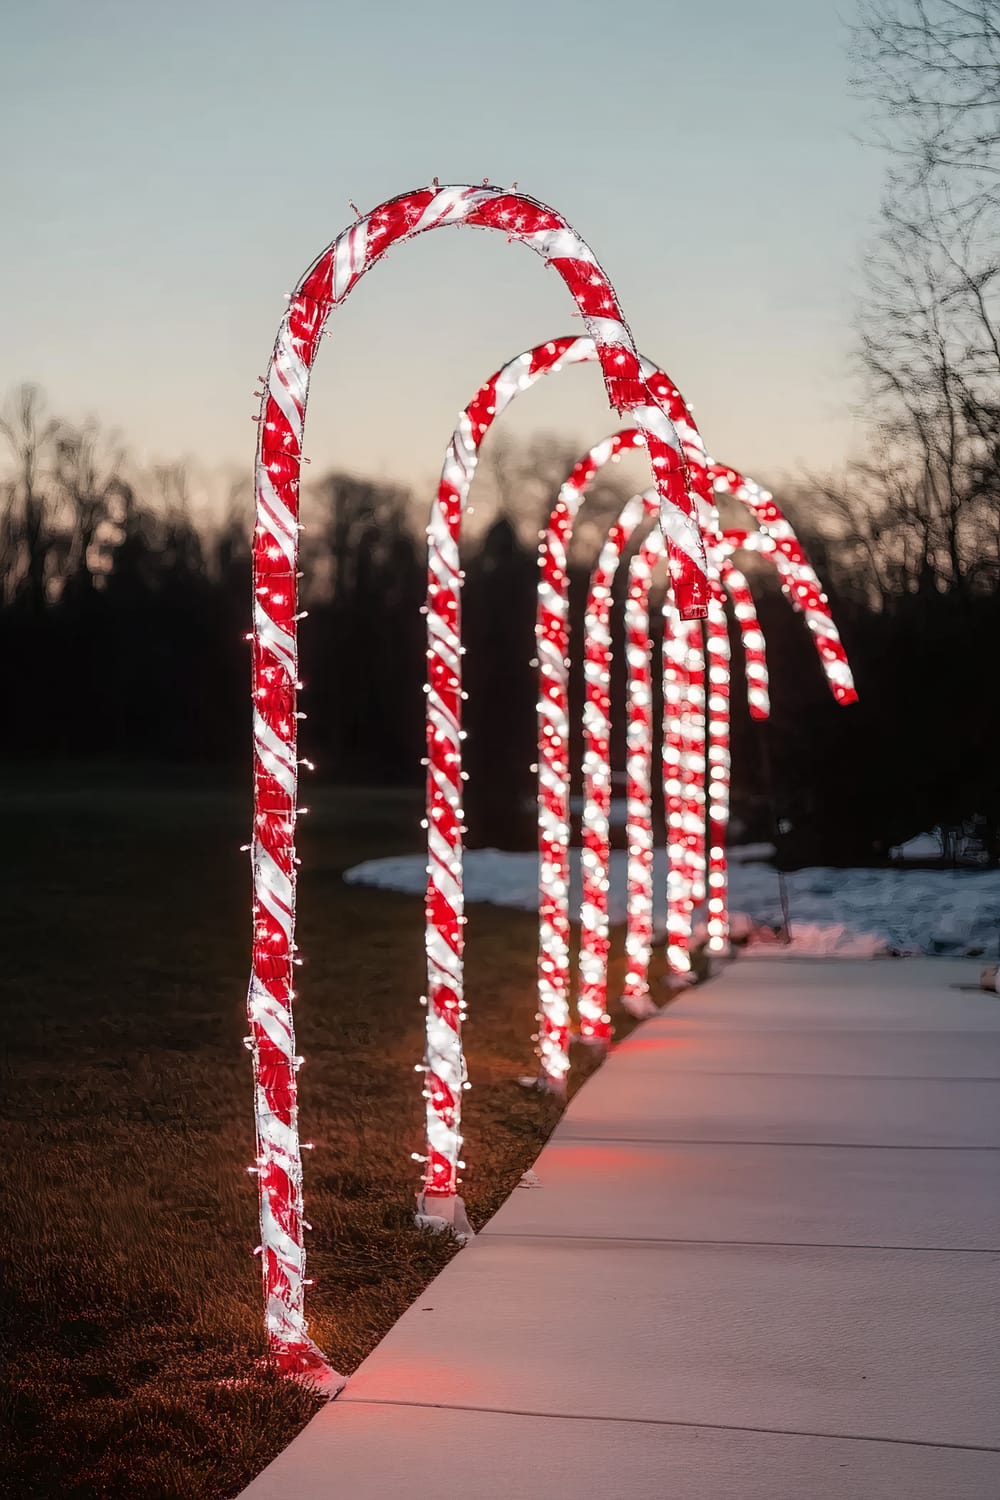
658 1239
345 1399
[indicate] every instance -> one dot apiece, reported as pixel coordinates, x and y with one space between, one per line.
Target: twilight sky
170 169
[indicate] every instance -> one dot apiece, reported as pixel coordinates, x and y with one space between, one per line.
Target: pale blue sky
171 166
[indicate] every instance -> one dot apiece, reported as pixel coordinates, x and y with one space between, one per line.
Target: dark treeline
122 636
122 619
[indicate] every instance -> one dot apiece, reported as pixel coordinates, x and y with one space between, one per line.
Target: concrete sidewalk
764 1263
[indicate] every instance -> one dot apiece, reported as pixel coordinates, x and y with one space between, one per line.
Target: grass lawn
131 1298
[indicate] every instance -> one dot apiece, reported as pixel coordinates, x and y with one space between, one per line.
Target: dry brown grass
130 1308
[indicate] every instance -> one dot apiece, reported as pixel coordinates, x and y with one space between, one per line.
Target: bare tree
930 323
94 501
27 538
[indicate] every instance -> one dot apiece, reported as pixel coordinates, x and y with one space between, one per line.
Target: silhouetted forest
123 623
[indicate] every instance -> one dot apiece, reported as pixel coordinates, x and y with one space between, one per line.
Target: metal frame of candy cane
552 636
326 284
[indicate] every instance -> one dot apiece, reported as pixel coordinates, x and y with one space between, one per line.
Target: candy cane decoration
806 598
777 540
595 1023
684 755
639 792
674 654
683 772
683 779
552 636
552 644
275 684
719 764
694 768
751 635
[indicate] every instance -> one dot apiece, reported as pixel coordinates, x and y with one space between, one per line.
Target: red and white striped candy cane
675 709
552 633
751 635
684 721
684 783
552 644
275 682
694 766
719 765
595 1023
639 792
552 636
798 577
806 598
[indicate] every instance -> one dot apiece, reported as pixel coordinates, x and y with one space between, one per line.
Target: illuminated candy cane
684 753
595 1023
639 790
552 636
719 764
684 768
552 644
275 684
694 767
805 597
675 658
798 578
751 635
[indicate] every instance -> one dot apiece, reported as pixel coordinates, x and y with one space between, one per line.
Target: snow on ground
921 846
843 912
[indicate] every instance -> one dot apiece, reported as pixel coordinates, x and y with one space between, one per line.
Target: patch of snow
741 854
832 910
816 940
922 846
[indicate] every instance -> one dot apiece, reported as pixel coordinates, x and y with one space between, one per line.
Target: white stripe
451 204
281 522
611 333
349 254
275 639
280 393
560 244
